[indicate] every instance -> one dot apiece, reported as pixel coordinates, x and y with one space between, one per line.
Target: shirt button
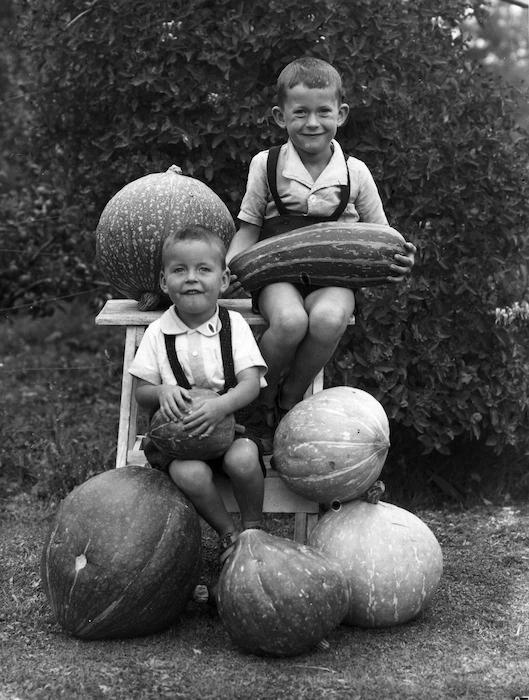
194 353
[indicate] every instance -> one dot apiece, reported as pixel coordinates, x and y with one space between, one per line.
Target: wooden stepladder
278 497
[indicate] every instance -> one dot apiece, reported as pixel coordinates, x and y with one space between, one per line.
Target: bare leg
329 310
282 306
195 479
241 464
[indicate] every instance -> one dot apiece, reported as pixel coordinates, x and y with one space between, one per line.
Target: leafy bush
127 88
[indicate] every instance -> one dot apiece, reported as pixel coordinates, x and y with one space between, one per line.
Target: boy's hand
235 290
174 402
405 263
205 418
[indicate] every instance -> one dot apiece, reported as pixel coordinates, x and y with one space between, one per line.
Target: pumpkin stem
323 645
175 169
374 493
149 301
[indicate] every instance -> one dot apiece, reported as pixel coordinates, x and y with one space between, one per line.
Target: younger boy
194 274
307 180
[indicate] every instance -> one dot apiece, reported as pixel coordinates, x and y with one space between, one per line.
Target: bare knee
191 476
241 462
291 324
328 323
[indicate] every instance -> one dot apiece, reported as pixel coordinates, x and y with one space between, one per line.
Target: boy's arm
368 203
246 236
370 208
251 215
170 399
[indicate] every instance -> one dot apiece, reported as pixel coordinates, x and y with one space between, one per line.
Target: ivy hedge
123 88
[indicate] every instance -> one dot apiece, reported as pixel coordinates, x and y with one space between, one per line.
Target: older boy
305 181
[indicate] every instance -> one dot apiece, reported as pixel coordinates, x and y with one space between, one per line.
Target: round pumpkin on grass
122 556
171 438
332 446
137 220
280 598
391 559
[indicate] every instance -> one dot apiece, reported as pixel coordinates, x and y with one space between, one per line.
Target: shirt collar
172 324
334 174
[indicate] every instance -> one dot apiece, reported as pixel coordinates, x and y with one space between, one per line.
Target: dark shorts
303 289
161 461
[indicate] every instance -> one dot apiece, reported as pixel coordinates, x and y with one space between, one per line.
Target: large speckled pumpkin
391 559
332 446
136 221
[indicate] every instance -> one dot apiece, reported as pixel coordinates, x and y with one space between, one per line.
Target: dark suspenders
225 349
271 171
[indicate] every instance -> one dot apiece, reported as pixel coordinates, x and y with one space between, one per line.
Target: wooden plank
317 385
278 498
125 312
300 527
128 409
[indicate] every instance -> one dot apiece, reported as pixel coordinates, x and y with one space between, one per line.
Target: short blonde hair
194 232
309 71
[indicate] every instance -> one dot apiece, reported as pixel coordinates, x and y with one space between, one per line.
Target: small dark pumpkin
171 438
280 598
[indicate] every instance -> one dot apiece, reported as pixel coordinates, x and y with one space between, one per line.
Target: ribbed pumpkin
332 446
391 559
122 556
330 254
136 221
171 438
278 597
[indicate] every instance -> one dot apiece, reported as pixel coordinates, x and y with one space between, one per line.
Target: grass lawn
472 642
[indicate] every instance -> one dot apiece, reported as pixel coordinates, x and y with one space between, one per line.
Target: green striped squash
330 254
136 221
331 447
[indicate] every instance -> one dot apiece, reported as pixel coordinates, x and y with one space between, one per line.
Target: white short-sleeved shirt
198 351
301 194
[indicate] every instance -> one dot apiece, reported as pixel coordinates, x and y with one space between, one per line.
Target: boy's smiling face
193 277
311 117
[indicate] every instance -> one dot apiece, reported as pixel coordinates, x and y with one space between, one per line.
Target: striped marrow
329 254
